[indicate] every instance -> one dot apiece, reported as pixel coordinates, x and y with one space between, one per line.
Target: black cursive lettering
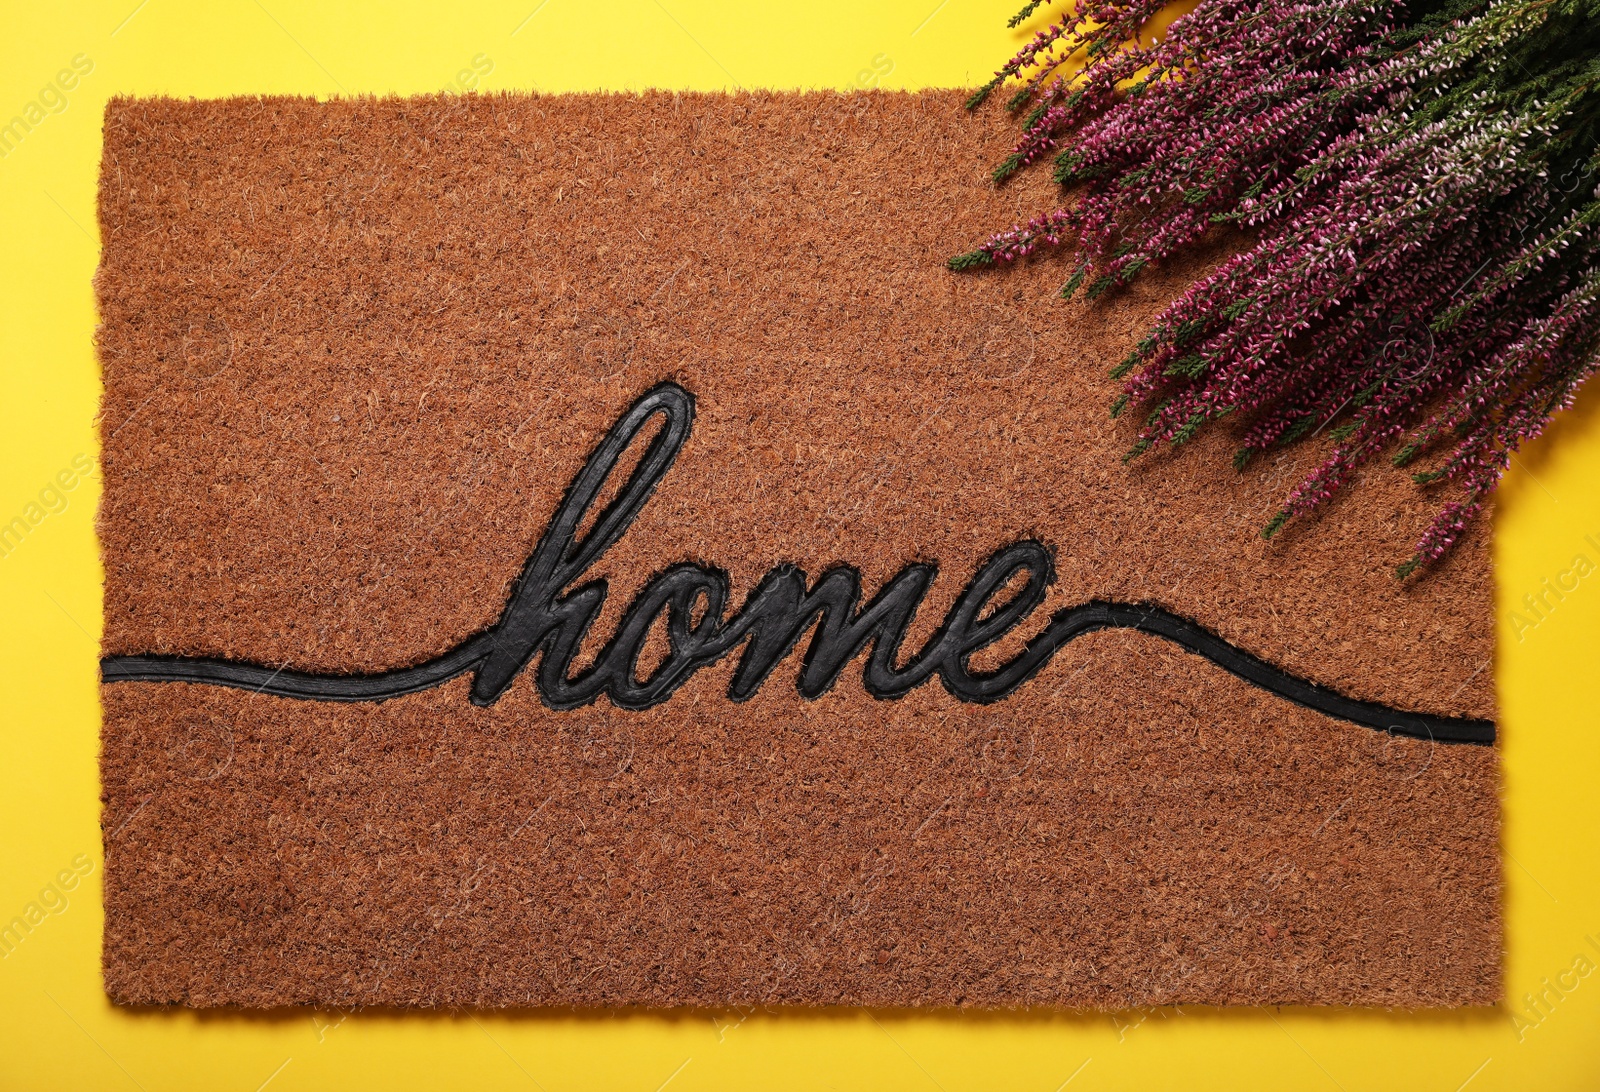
552 608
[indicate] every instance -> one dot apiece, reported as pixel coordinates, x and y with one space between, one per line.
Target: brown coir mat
588 551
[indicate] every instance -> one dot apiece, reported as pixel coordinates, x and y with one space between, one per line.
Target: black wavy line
551 609
1067 626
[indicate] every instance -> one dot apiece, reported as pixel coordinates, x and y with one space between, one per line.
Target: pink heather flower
1420 280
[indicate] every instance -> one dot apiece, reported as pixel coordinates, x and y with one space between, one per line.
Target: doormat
588 551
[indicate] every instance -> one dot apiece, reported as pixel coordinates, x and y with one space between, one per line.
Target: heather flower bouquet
1420 181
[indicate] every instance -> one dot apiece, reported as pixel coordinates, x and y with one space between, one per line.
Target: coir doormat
588 551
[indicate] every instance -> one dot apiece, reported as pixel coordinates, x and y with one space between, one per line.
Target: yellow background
56 1028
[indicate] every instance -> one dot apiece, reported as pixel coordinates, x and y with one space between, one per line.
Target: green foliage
1074 282
1020 17
972 259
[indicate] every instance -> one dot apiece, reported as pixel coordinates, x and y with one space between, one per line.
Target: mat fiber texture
356 352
